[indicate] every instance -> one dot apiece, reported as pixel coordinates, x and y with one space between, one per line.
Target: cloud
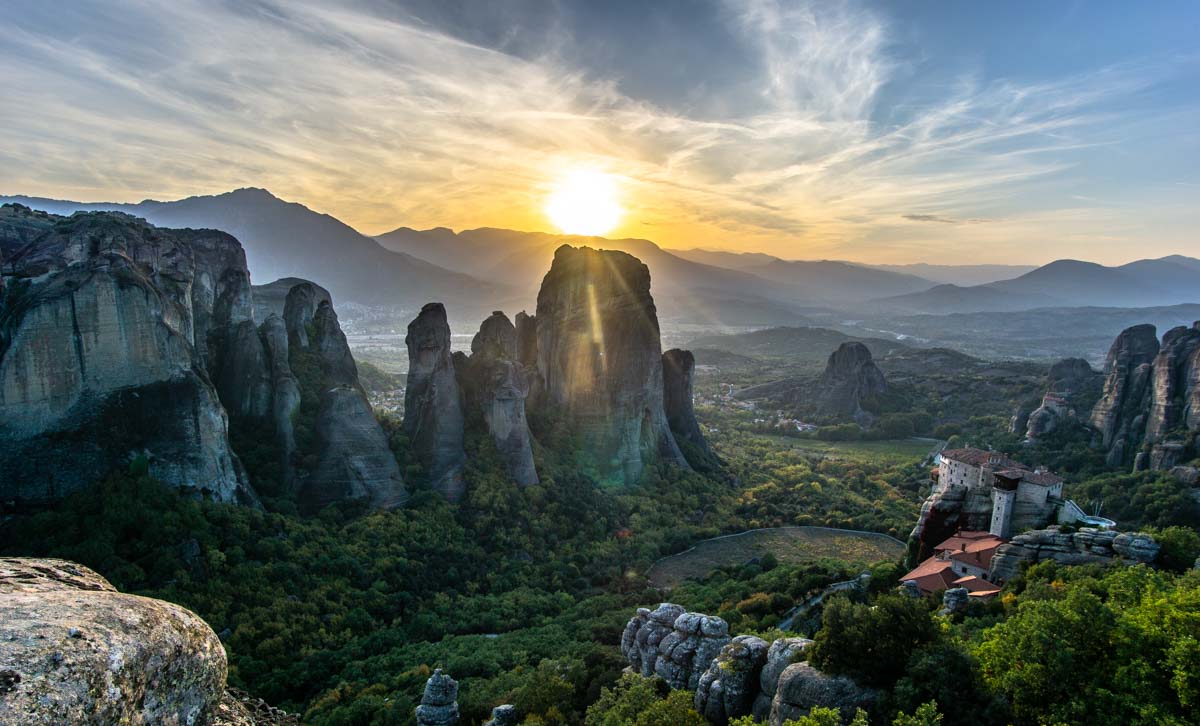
384 120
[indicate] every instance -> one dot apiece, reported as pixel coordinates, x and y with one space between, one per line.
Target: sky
881 132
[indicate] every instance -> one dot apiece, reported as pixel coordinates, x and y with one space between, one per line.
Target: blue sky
880 132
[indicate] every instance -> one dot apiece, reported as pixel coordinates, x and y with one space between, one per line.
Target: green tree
872 643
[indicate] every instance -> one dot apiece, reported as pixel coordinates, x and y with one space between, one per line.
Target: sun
585 201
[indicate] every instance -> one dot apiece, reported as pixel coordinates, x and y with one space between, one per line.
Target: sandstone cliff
496 385
111 331
1151 393
433 417
600 358
77 651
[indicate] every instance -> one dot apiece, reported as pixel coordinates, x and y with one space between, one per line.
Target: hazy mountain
683 290
285 239
1068 283
828 281
960 274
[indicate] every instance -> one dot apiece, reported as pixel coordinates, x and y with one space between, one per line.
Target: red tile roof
977 587
931 575
972 548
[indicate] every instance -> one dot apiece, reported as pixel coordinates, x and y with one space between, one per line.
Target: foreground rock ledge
74 650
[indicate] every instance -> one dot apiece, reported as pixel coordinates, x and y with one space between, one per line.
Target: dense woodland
521 594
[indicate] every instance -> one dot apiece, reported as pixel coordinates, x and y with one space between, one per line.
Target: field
893 450
788 544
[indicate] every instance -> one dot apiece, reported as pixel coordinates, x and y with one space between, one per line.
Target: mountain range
489 268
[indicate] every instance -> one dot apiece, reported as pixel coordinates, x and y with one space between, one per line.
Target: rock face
803 687
678 368
354 460
110 333
497 385
1175 385
673 644
1151 392
433 417
439 704
850 377
1086 546
78 651
726 690
733 677
285 392
600 358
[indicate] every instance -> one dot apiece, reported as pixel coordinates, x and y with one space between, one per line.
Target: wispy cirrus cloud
383 120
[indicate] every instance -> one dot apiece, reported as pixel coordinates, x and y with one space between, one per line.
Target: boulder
600 359
1186 474
954 600
678 368
803 687
439 703
727 689
505 715
74 650
433 417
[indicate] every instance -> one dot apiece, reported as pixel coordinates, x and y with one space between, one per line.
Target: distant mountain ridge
1172 280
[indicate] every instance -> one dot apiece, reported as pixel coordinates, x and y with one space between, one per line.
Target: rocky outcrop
802 688
1120 414
74 650
497 385
433 417
1086 546
439 703
851 377
678 368
354 460
112 331
947 511
733 677
673 644
600 358
244 377
727 689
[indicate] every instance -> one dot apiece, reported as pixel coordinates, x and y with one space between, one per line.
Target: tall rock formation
354 460
496 384
678 368
111 329
285 393
850 378
1175 385
1151 392
439 702
600 358
433 417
